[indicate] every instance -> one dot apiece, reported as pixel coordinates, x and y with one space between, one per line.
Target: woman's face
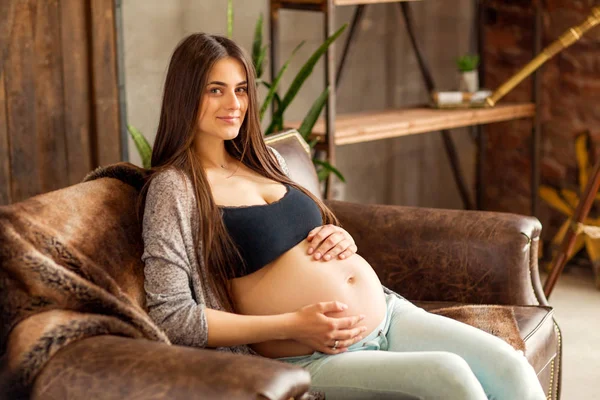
224 101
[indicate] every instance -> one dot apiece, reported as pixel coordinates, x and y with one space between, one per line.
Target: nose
233 103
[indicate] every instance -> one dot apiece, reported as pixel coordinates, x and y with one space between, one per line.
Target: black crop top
264 232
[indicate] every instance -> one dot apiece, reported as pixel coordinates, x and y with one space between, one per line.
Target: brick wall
570 102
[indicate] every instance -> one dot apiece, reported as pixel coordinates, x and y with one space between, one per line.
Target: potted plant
467 65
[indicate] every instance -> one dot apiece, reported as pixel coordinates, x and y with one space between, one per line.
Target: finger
320 235
337 249
345 232
346 253
328 244
347 334
348 235
315 237
313 232
349 322
322 231
349 342
331 351
350 251
328 347
332 306
350 238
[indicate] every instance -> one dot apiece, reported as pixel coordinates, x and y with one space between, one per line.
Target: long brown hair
186 79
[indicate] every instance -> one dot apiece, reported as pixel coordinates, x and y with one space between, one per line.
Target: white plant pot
469 81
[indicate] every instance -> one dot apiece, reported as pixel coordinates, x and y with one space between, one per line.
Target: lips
229 120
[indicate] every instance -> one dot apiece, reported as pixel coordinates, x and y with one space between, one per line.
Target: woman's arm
167 277
227 329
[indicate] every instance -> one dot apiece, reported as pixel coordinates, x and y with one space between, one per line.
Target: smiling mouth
229 120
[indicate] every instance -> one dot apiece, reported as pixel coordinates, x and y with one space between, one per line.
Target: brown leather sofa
433 257
438 258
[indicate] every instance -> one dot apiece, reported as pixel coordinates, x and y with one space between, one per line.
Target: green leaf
275 84
313 114
230 19
142 145
313 143
322 174
301 77
276 105
261 60
325 166
277 101
257 42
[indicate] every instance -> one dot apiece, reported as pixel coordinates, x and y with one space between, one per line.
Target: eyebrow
224 84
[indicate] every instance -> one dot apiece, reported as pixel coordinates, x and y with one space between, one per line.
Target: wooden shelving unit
337 130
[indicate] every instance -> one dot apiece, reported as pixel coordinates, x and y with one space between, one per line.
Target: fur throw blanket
70 268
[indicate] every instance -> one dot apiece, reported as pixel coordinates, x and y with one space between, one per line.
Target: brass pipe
564 41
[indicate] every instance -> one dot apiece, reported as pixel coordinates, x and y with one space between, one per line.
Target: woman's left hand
330 241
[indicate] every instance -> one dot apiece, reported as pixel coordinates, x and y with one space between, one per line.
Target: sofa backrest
296 153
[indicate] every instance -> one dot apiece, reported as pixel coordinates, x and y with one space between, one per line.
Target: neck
212 153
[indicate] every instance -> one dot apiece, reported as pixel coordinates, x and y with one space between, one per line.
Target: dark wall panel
76 66
59 105
19 80
105 97
5 192
50 112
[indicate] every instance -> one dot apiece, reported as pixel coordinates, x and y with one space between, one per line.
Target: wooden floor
576 303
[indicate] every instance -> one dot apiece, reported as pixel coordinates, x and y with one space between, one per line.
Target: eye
242 89
215 90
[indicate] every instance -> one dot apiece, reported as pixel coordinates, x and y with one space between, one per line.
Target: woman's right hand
311 326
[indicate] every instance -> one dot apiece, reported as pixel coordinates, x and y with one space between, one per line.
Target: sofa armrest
112 367
448 255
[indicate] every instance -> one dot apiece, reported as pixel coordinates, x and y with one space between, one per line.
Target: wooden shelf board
369 126
289 3
353 2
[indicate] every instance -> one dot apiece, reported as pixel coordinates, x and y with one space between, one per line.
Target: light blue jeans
417 355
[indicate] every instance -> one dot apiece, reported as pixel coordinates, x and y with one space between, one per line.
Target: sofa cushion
498 320
539 332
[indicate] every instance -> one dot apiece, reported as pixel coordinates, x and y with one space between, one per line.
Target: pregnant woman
239 257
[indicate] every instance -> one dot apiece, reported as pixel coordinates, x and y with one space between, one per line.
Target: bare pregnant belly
295 280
